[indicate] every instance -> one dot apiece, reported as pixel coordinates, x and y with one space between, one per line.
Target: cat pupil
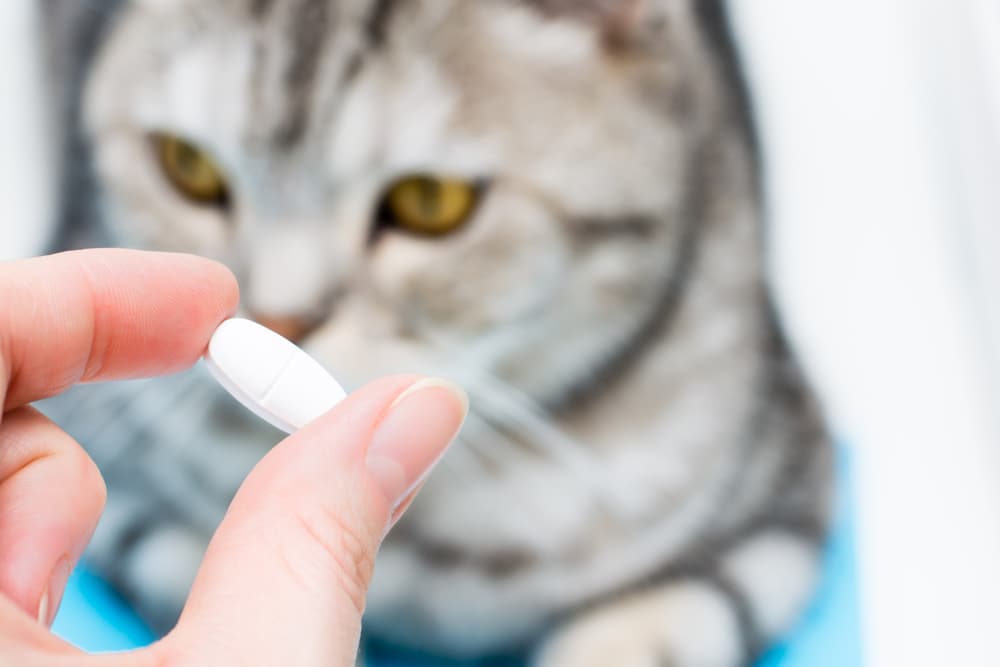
187 160
430 197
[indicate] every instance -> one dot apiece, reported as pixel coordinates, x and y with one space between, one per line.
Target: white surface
270 375
883 167
969 80
25 204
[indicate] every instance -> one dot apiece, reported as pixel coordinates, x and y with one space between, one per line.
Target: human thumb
285 577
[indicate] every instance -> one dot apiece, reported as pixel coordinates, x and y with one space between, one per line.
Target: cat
553 202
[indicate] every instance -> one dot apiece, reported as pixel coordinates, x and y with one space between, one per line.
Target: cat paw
687 624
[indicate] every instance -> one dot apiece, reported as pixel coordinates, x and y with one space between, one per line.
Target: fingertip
215 283
225 285
221 299
106 314
202 294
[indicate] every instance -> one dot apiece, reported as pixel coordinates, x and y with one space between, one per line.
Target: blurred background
880 125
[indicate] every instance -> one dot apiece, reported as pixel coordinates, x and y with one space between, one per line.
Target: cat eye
191 170
429 205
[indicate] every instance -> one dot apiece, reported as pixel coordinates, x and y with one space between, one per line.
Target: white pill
270 375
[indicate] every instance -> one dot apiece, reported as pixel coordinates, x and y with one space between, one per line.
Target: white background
24 201
880 121
881 126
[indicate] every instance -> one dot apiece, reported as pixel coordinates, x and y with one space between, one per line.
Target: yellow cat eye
430 205
191 170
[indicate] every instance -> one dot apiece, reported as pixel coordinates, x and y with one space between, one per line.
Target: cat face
489 190
508 193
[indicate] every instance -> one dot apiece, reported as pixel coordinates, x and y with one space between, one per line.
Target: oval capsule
270 375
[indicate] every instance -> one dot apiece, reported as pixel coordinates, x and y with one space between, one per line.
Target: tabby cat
553 202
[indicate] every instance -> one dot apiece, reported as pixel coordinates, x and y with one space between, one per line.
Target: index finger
103 315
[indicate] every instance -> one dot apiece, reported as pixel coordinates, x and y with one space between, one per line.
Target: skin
285 577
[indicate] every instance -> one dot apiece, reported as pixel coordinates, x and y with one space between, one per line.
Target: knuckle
341 547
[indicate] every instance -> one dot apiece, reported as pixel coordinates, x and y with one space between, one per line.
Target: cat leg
718 616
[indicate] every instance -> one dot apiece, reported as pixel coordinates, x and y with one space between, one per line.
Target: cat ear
620 21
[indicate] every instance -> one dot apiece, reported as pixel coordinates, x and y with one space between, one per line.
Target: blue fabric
829 635
95 619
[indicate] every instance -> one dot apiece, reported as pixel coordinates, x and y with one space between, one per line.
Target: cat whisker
521 424
507 406
462 462
507 409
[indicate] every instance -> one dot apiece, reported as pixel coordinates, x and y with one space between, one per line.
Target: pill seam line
277 378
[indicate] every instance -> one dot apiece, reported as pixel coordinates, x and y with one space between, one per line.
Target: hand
285 576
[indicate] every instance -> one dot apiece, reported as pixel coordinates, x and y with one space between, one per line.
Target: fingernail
413 436
52 595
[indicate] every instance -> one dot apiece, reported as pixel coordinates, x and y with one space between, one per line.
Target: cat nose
293 328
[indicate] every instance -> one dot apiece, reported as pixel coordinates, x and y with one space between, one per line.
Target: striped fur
645 476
